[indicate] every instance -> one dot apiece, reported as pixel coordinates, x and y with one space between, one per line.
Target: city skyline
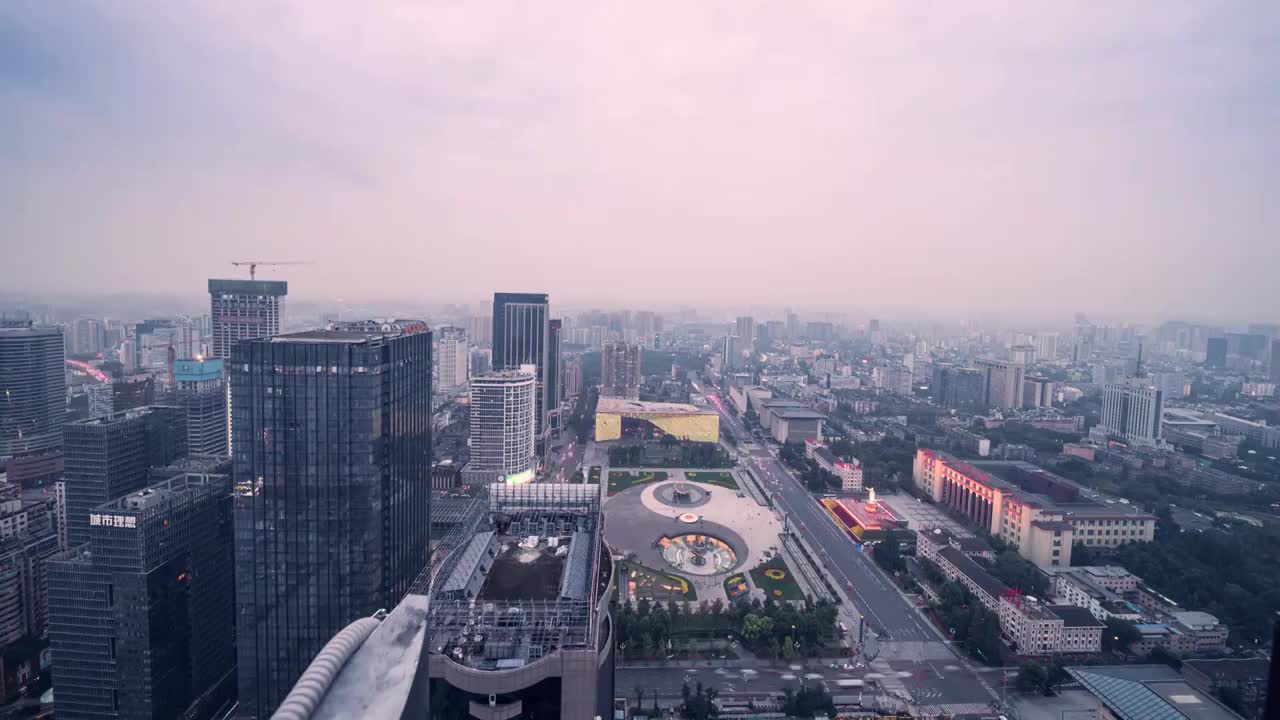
1023 154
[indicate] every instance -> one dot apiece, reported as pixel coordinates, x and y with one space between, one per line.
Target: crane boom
253 265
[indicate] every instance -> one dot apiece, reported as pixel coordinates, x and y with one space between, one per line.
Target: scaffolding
490 635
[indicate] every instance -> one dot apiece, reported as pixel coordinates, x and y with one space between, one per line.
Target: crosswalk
914 650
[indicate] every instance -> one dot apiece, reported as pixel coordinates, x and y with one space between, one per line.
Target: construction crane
253 265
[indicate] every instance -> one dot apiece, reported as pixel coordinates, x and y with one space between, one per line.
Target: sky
969 157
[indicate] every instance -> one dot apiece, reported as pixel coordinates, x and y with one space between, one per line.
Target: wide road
885 610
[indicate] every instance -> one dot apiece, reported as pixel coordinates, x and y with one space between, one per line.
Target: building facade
745 328
1037 392
110 456
1132 410
1002 383
332 466
452 360
142 618
502 432
620 370
521 336
34 387
959 388
202 394
244 310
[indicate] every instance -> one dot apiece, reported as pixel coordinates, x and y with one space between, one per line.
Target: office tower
730 356
1037 392
1023 354
502 426
480 330
142 618
874 333
1132 410
746 332
452 359
88 336
521 329
554 390
775 331
1275 361
819 331
202 394
108 457
481 360
1002 383
1046 344
101 399
331 458
620 371
33 388
154 340
1216 352
244 310
133 391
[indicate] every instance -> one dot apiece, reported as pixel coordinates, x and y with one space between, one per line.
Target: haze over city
930 159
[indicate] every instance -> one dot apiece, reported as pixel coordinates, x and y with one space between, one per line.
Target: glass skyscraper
331 459
33 389
521 336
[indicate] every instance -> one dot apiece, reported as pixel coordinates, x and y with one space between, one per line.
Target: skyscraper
502 426
1133 410
620 370
1275 361
521 329
1046 346
452 359
555 391
1037 392
244 310
33 388
958 388
108 457
332 466
793 326
730 356
142 618
1216 352
1002 383
480 330
202 394
746 329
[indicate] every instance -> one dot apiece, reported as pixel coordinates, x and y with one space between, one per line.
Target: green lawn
775 579
722 478
620 480
645 582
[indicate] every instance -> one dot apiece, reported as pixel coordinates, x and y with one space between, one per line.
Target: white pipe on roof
307 693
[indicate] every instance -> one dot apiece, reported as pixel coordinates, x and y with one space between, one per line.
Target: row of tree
815 478
769 628
675 454
968 620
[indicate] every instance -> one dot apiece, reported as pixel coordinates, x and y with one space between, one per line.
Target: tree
756 627
1162 656
1032 677
888 556
699 704
1082 555
788 648
1119 635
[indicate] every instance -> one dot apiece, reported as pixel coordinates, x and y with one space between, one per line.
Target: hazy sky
1045 157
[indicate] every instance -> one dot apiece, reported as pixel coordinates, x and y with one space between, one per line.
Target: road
886 611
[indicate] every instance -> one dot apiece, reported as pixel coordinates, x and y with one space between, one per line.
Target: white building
452 361
503 426
894 378
1132 410
1046 346
850 473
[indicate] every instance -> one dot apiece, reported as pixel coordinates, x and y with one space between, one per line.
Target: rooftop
623 406
975 572
525 573
1074 616
1148 692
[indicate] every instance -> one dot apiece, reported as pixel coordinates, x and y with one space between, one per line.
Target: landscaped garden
722 478
736 587
775 579
645 582
594 476
620 480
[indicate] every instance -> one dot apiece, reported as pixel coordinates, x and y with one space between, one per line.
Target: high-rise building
202 393
142 618
746 331
1037 392
331 458
793 326
480 330
1132 410
555 393
101 399
521 333
1046 346
502 426
244 310
28 537
88 336
1275 361
1001 383
1216 352
730 356
481 360
33 386
572 376
620 370
108 457
452 359
895 377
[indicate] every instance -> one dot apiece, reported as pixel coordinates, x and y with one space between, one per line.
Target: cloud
945 157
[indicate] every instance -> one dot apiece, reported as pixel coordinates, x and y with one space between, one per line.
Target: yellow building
684 422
